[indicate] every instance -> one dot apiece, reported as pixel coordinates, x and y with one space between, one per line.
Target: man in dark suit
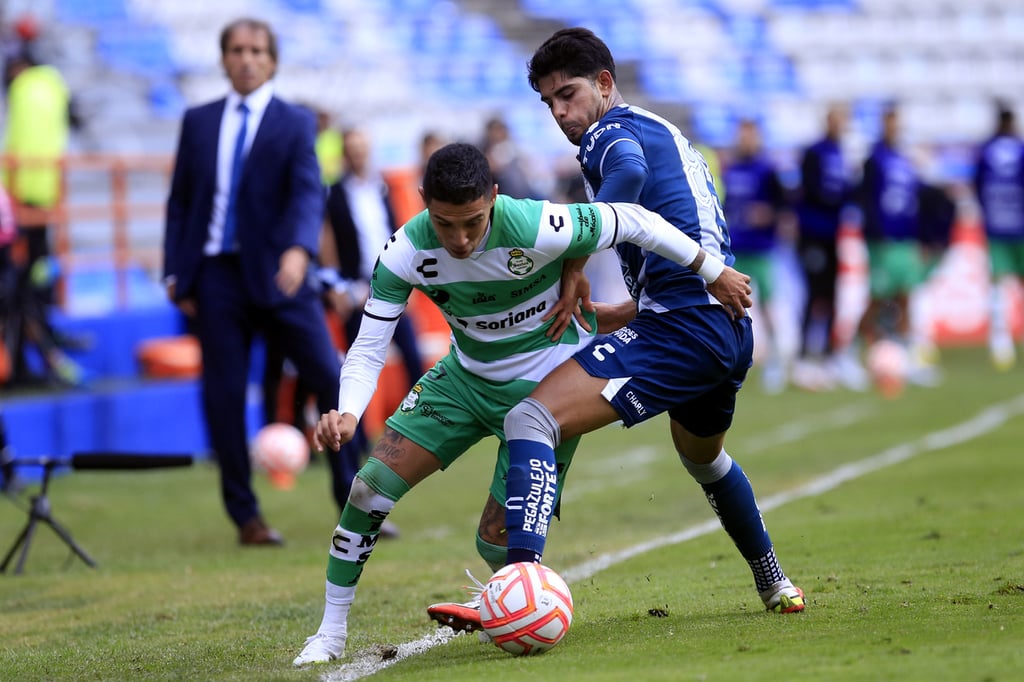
243 220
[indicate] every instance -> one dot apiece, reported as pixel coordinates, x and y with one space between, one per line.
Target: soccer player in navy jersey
492 265
999 183
890 201
825 190
755 203
683 352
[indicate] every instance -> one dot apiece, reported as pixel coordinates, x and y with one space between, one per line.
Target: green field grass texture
900 518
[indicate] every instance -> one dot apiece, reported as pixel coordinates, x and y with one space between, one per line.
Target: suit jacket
280 197
346 234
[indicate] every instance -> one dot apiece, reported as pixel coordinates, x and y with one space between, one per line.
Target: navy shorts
689 363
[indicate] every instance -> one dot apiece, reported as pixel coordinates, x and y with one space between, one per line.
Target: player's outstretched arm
649 230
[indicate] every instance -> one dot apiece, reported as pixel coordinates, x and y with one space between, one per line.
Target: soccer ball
282 451
889 363
526 608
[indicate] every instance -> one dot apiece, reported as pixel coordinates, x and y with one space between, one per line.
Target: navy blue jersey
634 156
889 195
999 182
752 184
824 189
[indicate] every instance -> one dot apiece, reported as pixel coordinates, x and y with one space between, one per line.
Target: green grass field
901 519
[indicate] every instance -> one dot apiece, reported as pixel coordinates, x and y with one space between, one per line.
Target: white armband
711 268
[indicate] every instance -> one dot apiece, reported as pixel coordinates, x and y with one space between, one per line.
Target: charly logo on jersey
409 404
519 263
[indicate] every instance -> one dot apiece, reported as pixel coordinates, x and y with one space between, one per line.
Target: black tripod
40 511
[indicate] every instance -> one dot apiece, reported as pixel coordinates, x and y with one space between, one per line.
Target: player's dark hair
457 173
252 24
573 52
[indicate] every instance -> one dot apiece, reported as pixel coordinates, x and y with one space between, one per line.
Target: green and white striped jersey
494 301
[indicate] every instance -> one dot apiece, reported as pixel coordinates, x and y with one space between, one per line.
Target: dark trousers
345 463
227 325
820 264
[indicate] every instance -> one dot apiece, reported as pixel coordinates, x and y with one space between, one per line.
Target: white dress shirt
230 123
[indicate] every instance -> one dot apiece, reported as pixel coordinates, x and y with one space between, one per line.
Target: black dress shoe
257 533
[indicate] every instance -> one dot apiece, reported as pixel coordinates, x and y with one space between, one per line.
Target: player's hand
291 270
334 430
573 299
185 305
732 289
612 316
341 303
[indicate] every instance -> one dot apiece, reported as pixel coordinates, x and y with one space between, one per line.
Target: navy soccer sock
531 486
732 498
530 498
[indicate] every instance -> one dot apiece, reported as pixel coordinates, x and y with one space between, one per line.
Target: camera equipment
39 510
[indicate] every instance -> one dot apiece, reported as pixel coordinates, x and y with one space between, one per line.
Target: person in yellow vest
329 148
34 142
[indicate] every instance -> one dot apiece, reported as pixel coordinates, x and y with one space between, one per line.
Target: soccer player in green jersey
493 265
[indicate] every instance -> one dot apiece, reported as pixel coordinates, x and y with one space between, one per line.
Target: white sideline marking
790 432
368 663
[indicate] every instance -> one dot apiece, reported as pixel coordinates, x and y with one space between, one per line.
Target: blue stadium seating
135 48
92 12
719 59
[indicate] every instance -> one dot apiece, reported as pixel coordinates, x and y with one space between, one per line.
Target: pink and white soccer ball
889 363
282 451
526 608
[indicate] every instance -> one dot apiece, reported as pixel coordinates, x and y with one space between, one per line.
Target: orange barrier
119 209
954 300
122 206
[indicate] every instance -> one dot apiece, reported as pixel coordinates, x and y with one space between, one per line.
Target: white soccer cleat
783 597
320 648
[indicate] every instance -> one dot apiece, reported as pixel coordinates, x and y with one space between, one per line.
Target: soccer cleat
464 617
784 597
1003 355
320 648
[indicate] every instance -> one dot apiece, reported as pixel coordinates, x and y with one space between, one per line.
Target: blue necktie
228 242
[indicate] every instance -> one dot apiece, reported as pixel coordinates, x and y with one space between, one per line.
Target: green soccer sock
375 490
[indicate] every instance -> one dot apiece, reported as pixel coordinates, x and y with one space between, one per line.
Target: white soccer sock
710 472
337 602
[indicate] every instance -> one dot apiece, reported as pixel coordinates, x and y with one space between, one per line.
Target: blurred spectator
507 165
429 143
755 202
404 183
999 183
244 217
35 140
890 202
360 220
329 148
825 190
8 282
